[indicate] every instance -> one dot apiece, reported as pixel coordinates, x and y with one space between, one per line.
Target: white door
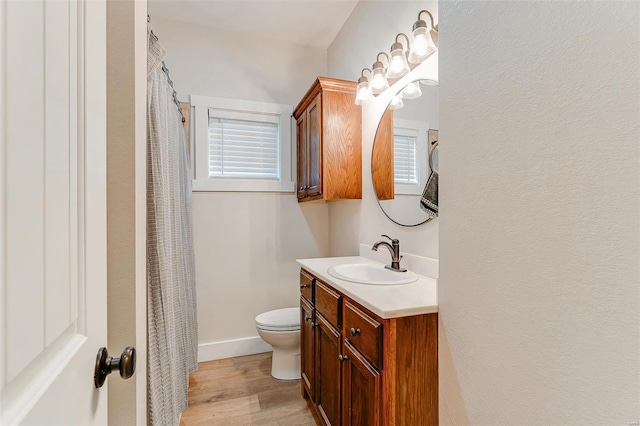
52 211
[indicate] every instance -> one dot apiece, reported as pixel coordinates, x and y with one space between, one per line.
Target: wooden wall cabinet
382 160
328 142
359 369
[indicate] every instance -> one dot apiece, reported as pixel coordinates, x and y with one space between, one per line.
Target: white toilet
281 329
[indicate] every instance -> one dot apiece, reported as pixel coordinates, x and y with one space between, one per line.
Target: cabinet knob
314 324
303 286
307 317
355 331
342 358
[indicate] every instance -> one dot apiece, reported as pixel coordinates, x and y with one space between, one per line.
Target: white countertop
386 301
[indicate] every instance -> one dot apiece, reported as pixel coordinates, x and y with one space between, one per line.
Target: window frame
419 129
234 108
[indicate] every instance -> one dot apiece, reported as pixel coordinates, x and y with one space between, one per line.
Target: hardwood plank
241 391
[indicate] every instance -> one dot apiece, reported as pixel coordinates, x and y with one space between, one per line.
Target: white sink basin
371 273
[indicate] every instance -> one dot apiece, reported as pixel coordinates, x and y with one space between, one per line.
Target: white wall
539 288
245 243
210 62
372 28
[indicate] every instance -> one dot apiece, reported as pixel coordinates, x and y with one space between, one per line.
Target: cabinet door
302 156
360 390
307 348
314 141
327 371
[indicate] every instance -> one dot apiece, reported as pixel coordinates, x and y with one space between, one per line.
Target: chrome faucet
394 249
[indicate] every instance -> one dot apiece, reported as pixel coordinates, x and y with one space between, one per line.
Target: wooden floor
241 391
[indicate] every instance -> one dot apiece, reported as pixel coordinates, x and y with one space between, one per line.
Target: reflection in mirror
400 169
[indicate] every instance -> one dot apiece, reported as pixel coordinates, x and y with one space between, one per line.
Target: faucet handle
393 240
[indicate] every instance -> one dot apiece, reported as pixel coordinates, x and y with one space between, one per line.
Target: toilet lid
280 319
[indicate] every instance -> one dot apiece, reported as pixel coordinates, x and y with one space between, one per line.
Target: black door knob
105 364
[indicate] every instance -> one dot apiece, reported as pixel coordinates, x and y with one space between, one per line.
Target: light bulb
422 46
396 102
362 92
398 65
411 91
379 81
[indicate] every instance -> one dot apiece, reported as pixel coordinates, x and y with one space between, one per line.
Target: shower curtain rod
165 70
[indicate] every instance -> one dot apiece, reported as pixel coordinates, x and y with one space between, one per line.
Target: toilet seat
283 320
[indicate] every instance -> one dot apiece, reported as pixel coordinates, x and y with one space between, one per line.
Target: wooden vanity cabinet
307 335
369 371
328 364
307 344
328 142
360 390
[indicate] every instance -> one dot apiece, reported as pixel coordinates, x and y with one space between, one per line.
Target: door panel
361 390
302 156
327 371
308 364
24 185
59 146
52 71
314 141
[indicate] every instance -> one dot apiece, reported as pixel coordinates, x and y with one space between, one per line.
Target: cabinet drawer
364 333
306 285
328 303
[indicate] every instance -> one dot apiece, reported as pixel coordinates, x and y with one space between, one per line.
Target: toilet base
285 364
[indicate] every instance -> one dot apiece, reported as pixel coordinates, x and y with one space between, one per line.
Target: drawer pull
342 358
302 286
307 317
314 324
355 332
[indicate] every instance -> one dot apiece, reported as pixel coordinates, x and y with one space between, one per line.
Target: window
410 156
243 149
405 156
242 146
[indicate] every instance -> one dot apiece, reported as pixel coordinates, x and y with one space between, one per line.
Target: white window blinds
405 158
243 148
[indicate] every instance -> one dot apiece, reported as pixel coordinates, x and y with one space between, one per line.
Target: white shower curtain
172 345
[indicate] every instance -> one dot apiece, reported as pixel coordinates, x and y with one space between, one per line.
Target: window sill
241 185
403 189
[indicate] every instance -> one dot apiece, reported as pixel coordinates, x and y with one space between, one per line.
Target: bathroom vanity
368 352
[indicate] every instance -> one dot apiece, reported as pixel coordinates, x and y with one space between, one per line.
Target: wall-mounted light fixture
412 91
379 81
400 61
398 65
363 92
423 44
396 102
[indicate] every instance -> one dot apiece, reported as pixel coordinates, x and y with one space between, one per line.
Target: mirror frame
414 78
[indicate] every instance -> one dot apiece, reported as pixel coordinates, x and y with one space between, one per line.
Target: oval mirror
407 134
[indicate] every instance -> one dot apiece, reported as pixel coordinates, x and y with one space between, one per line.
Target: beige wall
245 243
126 204
372 28
539 288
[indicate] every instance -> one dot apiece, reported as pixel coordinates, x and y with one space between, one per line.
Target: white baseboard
232 348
